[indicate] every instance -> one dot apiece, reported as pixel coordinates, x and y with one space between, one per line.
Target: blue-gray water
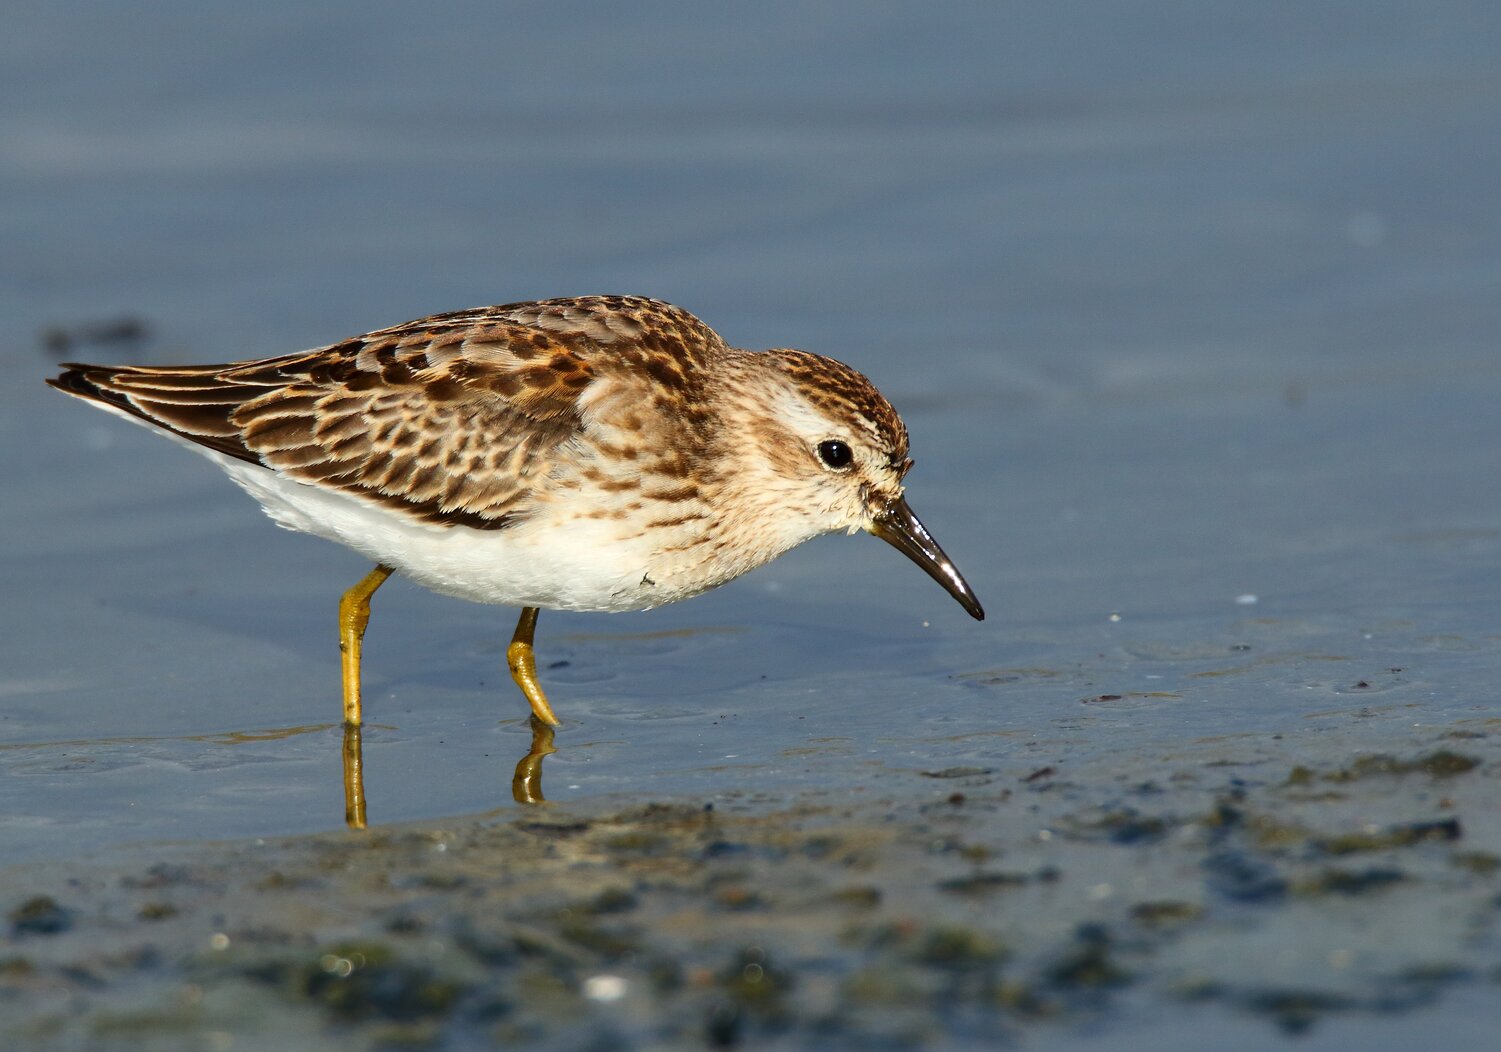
1191 309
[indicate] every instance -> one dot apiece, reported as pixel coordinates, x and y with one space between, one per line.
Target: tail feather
193 403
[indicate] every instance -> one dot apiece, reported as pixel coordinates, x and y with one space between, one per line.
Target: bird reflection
526 783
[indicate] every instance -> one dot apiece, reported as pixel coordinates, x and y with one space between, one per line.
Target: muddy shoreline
967 907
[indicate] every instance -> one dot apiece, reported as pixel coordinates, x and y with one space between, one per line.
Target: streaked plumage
590 453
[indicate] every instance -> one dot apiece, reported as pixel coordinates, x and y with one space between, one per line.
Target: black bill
898 527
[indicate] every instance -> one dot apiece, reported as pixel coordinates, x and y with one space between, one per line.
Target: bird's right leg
523 665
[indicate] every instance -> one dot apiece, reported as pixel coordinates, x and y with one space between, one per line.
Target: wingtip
72 381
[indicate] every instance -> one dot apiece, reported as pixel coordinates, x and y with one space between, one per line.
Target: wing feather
456 418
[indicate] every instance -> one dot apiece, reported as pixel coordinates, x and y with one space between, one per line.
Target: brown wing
452 417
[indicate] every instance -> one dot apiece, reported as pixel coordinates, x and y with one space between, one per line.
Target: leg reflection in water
354 777
526 783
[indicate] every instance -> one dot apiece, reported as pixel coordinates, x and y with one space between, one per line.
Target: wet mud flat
955 907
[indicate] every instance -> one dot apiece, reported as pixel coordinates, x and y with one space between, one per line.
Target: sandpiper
588 453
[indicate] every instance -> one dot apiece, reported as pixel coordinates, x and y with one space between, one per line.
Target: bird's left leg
354 615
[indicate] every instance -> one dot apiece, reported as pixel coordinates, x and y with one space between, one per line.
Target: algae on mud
1014 908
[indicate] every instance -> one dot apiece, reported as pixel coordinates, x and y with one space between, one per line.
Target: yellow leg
354 615
524 665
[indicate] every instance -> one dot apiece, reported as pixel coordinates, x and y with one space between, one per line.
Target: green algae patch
1441 763
1166 914
1406 834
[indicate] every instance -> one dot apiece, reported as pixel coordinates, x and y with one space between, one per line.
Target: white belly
581 566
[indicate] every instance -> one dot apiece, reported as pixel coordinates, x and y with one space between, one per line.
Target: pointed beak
897 526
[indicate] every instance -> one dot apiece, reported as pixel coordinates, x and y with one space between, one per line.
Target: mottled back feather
453 417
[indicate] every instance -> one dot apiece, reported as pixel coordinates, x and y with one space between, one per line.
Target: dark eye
835 454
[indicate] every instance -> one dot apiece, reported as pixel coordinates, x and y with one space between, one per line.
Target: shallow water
1191 312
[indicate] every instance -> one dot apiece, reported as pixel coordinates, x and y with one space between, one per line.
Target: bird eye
835 454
